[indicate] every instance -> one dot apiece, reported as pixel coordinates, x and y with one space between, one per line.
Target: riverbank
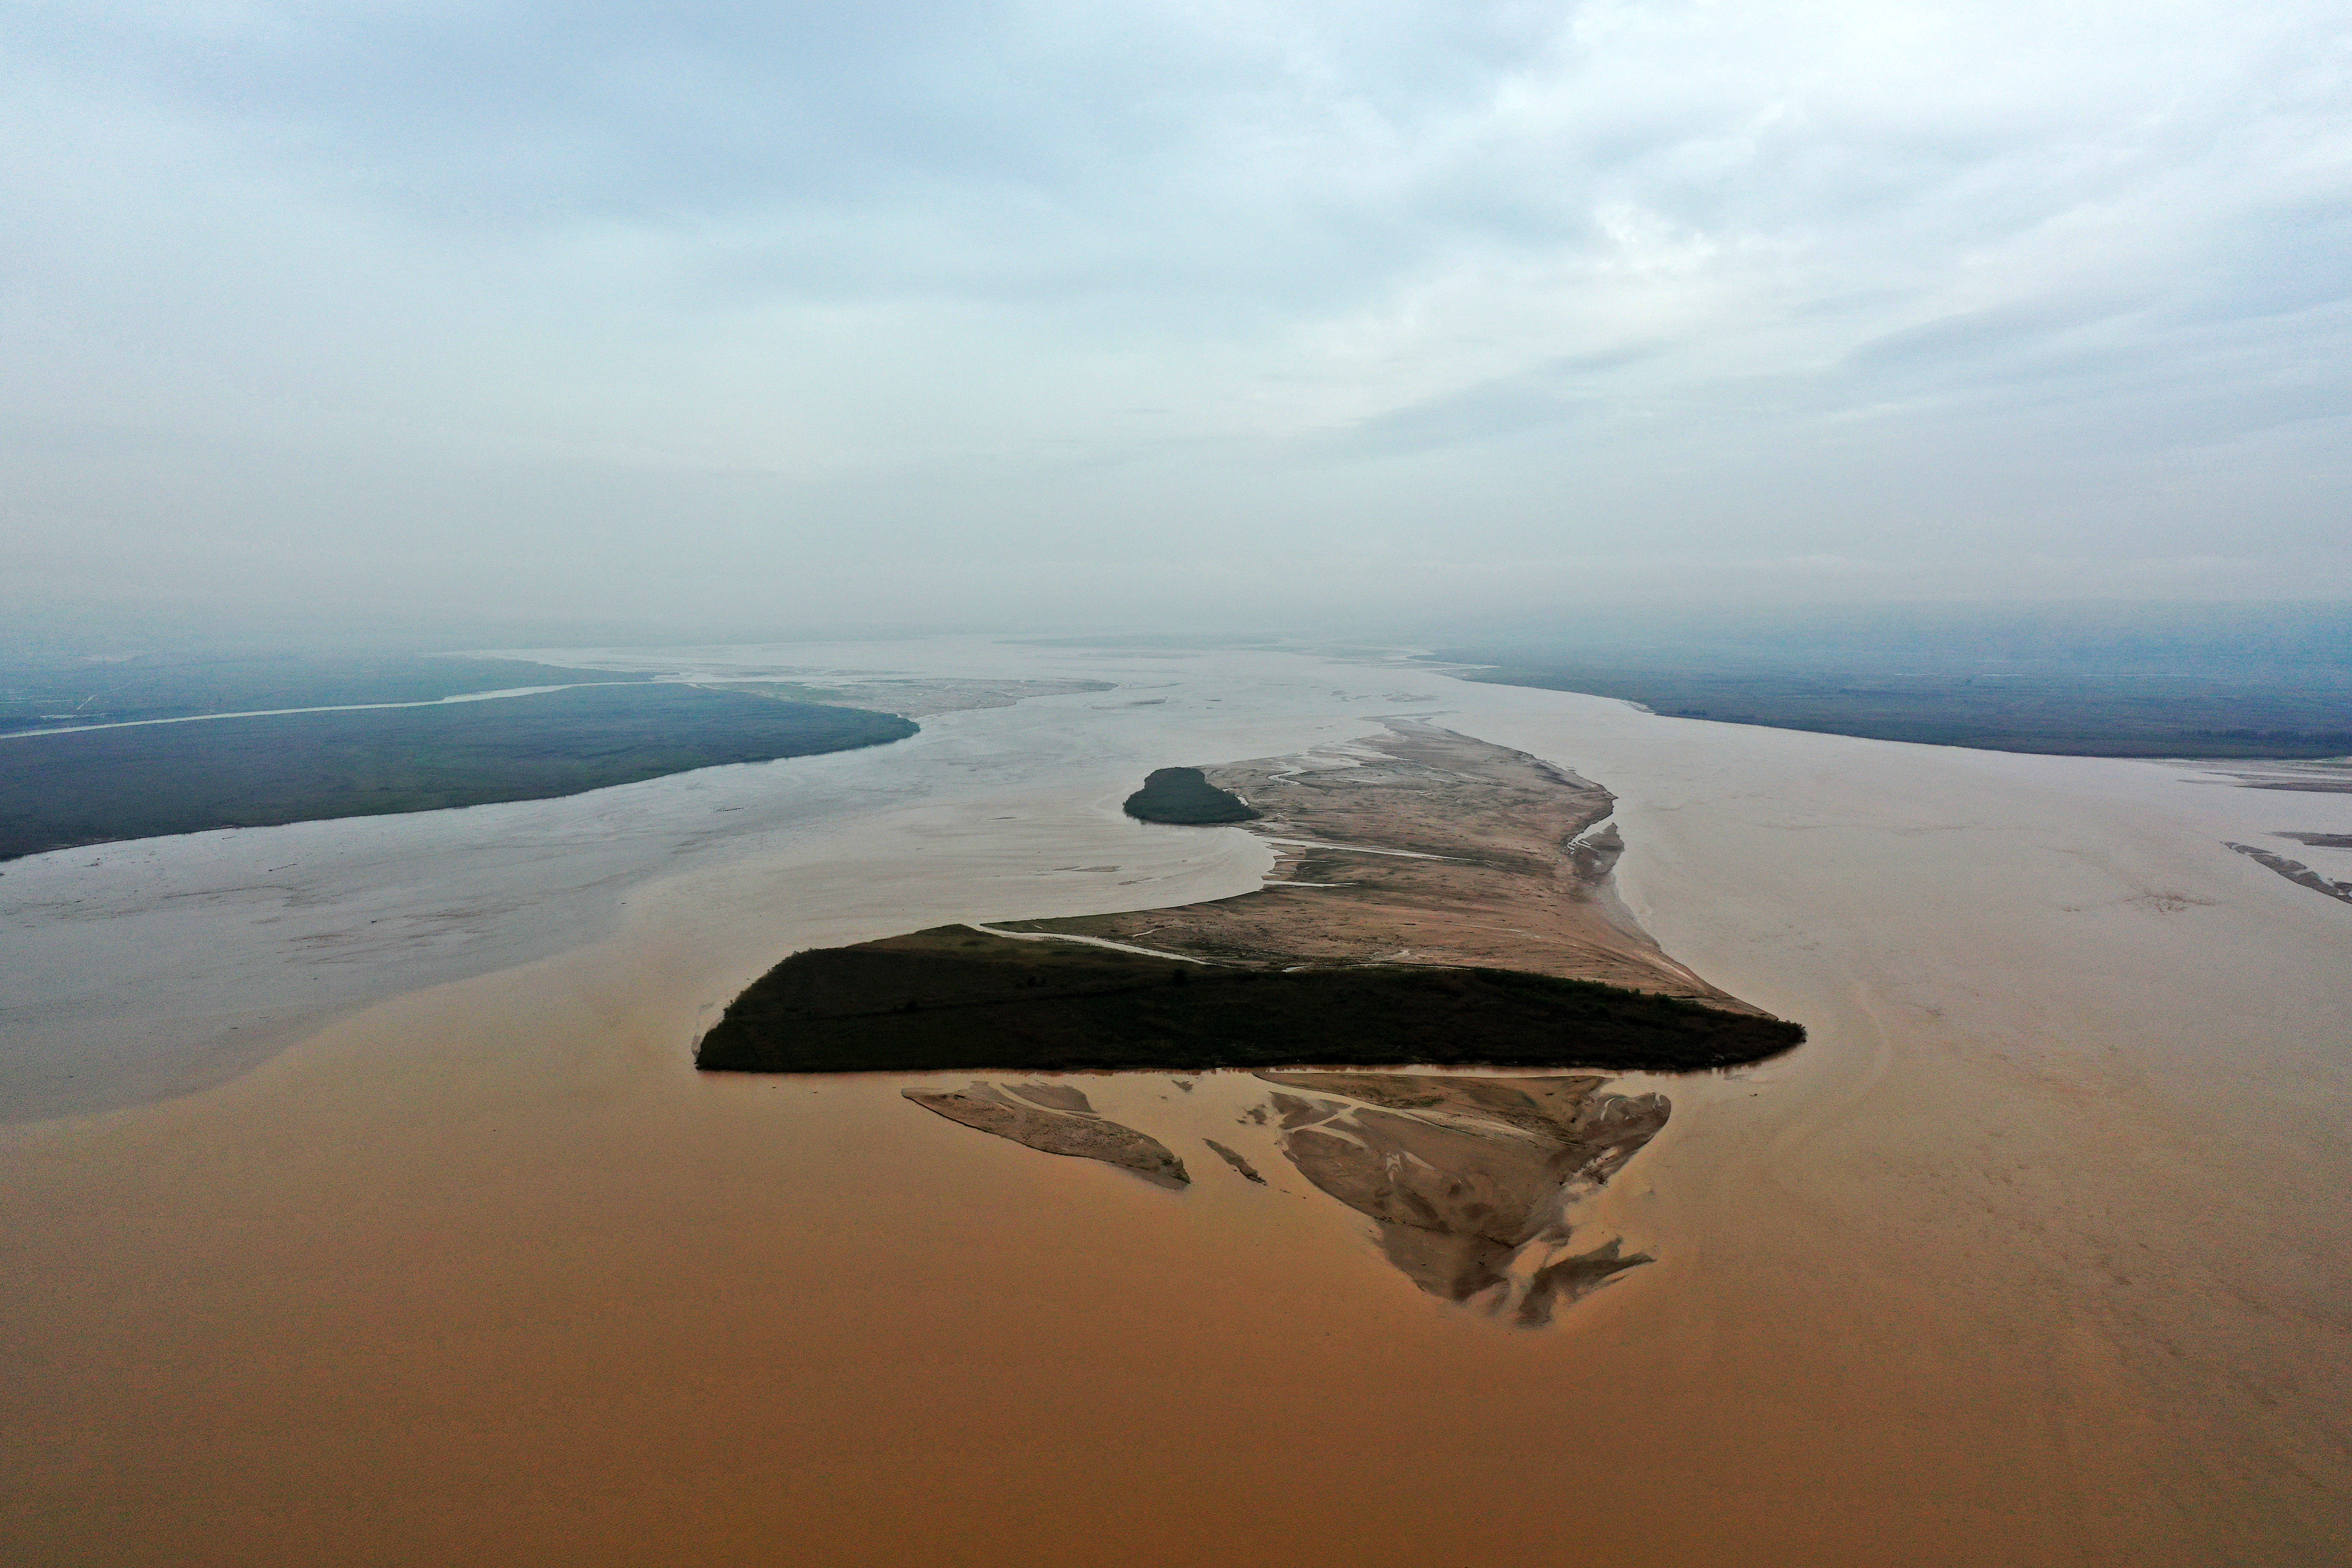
487 1266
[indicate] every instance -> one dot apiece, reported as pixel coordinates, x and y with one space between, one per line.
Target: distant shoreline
113 783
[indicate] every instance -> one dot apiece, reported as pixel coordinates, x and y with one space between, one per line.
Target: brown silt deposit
1422 846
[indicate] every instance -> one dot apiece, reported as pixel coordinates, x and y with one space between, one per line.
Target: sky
1145 314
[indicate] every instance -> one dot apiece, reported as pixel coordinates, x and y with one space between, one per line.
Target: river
2038 1252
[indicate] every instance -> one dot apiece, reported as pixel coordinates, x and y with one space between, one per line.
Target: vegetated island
956 999
97 786
1185 797
1448 906
1475 1184
909 697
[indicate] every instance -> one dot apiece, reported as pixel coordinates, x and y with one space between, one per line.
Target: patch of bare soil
1420 847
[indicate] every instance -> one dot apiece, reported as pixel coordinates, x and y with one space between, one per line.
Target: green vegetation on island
2109 679
2069 715
956 999
1185 797
95 786
60 693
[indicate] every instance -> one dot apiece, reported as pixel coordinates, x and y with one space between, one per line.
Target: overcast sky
1159 311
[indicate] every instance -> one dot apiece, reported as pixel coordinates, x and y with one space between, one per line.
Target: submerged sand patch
1471 1181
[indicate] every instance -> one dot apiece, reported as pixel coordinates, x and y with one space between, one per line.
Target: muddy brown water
2036 1254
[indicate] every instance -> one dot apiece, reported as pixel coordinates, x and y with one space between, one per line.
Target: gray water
157 966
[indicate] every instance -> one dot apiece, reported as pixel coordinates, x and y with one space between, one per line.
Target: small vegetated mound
954 999
1185 797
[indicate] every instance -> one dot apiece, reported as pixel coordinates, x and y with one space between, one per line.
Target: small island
1185 797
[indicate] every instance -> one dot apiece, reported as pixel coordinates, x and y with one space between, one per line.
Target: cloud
734 290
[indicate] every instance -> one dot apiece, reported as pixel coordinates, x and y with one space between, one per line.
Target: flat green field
97 786
956 999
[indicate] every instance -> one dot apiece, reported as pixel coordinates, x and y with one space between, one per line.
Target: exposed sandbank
1419 845
1064 1128
2296 871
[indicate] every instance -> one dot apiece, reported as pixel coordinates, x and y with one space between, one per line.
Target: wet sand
2037 1253
913 699
1059 1122
1418 846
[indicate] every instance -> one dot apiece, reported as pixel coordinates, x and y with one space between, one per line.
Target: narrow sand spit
2038 1254
2296 871
1472 1182
911 699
